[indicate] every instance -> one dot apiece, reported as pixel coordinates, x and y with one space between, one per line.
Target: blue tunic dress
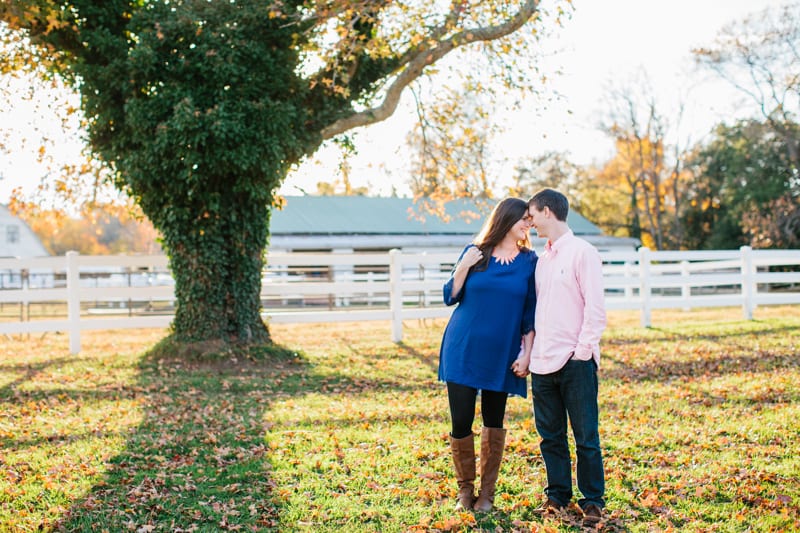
482 339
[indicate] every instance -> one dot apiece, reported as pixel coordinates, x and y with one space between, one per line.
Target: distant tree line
737 188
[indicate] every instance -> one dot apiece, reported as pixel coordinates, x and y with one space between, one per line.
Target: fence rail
74 293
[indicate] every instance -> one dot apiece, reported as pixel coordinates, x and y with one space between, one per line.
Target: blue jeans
571 391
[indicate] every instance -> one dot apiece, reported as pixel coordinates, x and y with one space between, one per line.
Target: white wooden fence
77 293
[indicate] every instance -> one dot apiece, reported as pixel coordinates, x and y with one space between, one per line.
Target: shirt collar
554 247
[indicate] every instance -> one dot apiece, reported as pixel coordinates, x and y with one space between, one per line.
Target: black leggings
462 408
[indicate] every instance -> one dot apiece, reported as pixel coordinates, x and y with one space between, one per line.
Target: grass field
700 424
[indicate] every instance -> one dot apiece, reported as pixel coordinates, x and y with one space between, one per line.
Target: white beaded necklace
505 259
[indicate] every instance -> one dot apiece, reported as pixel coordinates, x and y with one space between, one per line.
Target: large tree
201 108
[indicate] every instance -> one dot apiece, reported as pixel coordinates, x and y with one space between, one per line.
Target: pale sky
604 42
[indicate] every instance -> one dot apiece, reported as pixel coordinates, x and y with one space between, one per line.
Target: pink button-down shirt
570 313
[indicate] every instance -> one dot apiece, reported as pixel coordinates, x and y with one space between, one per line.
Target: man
570 318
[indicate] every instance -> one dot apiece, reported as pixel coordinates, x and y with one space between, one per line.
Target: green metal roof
365 215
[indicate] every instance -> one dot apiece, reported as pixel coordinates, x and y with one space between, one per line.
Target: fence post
644 285
748 285
396 294
686 288
73 303
628 274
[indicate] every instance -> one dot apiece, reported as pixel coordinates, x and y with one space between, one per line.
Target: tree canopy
743 191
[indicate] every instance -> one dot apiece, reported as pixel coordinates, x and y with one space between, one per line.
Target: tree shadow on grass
430 360
196 460
731 350
569 519
666 370
727 331
199 460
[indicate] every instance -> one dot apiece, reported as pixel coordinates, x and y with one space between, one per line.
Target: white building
16 237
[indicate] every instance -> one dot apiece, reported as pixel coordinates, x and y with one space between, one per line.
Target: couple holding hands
554 303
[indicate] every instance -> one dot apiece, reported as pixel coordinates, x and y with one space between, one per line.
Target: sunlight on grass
699 421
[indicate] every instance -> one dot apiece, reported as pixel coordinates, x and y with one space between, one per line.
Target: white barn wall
17 239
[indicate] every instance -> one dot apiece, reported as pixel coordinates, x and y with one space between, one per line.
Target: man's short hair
557 202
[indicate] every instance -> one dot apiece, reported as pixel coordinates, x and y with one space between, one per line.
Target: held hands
520 366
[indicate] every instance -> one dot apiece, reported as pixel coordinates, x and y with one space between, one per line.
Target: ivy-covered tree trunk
217 258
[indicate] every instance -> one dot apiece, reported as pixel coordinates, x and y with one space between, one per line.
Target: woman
493 286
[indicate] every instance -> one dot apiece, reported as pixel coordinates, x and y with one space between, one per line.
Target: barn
377 224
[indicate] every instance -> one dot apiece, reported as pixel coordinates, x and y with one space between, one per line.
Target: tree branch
414 63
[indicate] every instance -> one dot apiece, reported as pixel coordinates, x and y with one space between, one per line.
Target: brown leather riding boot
493 440
464 459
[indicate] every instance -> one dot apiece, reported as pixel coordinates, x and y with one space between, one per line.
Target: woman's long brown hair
503 217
